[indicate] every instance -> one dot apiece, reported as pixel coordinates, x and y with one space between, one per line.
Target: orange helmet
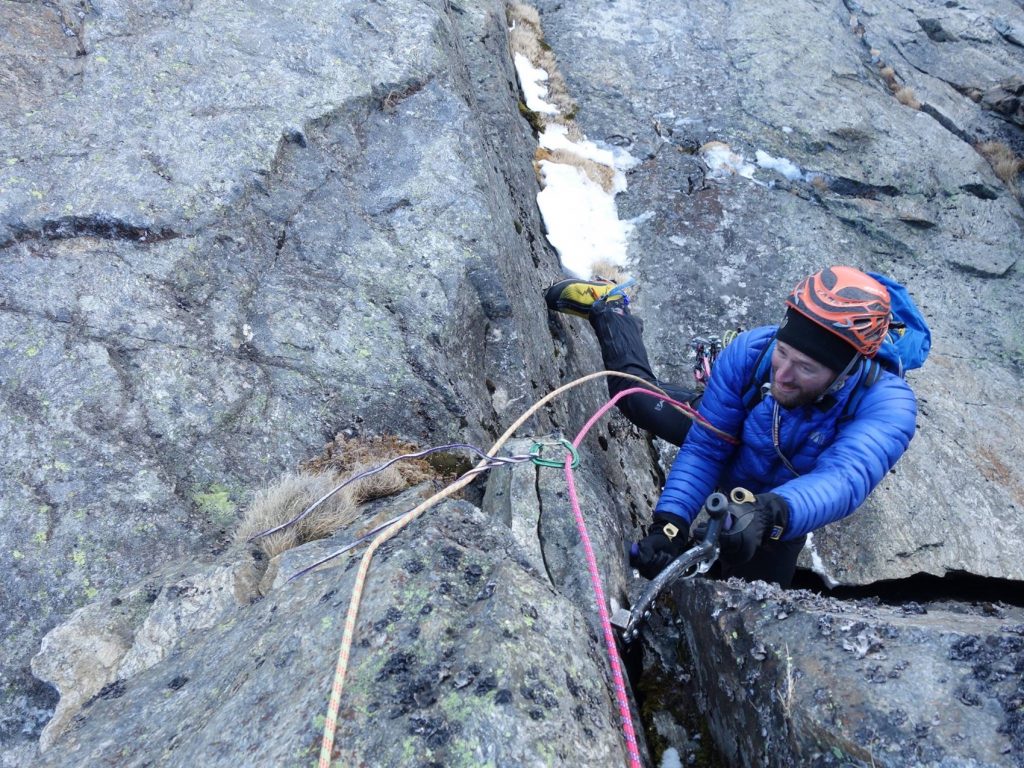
852 305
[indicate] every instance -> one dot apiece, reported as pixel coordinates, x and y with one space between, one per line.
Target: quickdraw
538 447
397 525
706 352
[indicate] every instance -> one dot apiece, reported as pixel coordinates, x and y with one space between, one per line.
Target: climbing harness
706 352
393 528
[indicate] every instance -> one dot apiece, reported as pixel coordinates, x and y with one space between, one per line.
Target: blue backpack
905 348
909 339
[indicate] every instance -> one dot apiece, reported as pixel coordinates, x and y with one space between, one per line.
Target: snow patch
818 565
580 179
786 167
581 218
722 161
670 759
533 80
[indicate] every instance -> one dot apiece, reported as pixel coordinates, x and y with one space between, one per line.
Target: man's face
796 378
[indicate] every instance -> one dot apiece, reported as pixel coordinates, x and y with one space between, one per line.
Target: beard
794 398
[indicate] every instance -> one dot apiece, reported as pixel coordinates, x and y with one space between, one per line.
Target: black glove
667 538
753 524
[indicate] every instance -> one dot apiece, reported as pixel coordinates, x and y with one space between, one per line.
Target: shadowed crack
841 185
914 593
921 548
99 225
983 191
540 530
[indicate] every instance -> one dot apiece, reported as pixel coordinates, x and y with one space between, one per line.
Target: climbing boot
577 297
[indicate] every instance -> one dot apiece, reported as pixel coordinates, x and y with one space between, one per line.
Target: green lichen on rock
216 505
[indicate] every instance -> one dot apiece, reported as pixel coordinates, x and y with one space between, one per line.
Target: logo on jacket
817 437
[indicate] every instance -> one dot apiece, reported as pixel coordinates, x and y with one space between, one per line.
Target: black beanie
814 341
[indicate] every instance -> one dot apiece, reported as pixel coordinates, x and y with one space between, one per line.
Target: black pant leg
620 336
774 561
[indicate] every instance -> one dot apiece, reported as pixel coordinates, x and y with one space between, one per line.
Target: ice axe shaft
695 560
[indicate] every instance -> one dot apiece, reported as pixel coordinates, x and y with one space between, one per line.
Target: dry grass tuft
598 173
343 454
608 271
1006 165
523 14
295 492
904 94
906 97
820 183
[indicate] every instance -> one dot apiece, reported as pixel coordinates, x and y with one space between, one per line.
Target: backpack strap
871 373
754 392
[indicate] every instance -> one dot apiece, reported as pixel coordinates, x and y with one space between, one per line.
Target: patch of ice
670 759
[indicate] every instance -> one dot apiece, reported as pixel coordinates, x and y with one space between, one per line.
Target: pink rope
609 639
686 408
618 683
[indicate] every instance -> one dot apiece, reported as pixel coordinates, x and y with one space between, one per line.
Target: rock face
790 678
230 232
871 182
473 647
227 235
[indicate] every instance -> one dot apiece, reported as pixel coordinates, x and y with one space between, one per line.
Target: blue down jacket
839 463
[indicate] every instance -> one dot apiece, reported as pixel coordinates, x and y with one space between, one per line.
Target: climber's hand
666 540
751 525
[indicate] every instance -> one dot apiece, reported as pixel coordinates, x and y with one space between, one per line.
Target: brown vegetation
906 97
608 271
598 173
294 493
1005 163
904 94
527 38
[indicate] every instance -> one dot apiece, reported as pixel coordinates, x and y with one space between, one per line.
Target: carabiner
535 454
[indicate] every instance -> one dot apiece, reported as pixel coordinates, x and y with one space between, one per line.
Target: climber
818 425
